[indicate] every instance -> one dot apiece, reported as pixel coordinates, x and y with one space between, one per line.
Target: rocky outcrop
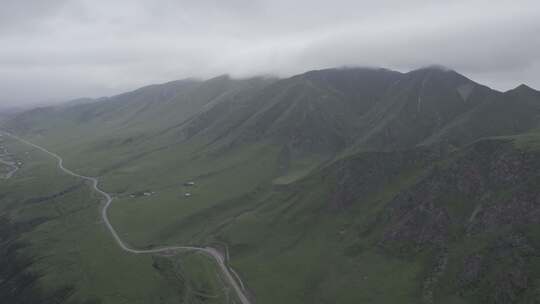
487 195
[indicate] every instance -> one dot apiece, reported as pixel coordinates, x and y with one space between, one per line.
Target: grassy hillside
57 249
374 186
409 227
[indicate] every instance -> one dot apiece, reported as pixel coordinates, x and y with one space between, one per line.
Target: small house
189 184
187 194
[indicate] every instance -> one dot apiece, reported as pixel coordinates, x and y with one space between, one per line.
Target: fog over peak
62 49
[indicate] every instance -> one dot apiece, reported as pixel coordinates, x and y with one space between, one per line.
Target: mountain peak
434 68
352 75
524 87
222 77
523 90
441 74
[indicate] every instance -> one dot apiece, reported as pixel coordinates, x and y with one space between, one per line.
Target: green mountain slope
373 185
415 226
513 112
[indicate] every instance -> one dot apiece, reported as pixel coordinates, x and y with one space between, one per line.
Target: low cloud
73 48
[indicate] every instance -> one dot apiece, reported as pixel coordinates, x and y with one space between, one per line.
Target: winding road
238 286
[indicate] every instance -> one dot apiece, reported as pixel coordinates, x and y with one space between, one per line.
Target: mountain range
373 185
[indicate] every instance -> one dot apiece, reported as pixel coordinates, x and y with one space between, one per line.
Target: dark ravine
18 282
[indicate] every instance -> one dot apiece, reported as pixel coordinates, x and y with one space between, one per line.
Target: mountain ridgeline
376 186
322 112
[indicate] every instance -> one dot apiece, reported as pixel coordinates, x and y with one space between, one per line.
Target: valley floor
68 248
230 276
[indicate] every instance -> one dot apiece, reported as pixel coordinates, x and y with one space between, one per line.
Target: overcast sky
61 49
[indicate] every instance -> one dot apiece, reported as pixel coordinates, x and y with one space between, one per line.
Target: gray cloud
61 49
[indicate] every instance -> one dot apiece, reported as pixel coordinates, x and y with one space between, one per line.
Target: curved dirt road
209 251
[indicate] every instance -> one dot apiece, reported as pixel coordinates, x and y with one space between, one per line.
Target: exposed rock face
475 213
477 177
369 172
490 191
501 272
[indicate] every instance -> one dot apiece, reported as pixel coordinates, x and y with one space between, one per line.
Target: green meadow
69 247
